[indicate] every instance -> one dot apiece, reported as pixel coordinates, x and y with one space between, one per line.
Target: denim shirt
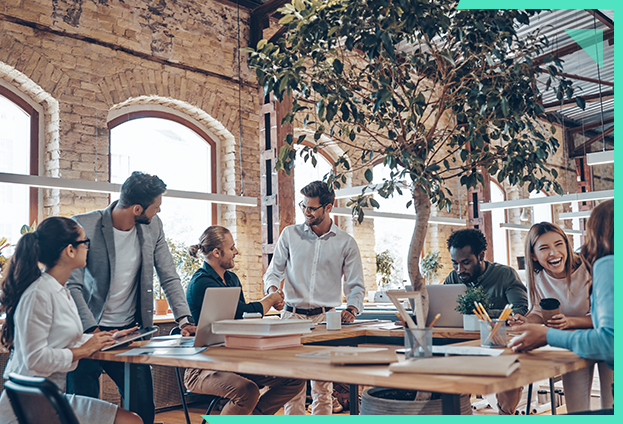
598 342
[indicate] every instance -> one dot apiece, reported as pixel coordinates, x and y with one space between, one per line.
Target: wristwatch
184 321
352 312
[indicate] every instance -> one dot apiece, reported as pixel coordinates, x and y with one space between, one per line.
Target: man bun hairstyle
212 238
471 237
141 189
321 190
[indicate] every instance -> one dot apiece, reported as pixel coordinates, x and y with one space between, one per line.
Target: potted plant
465 305
431 265
185 265
384 269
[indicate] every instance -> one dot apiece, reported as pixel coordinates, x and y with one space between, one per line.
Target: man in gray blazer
115 289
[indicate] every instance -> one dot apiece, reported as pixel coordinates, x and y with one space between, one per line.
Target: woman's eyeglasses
86 241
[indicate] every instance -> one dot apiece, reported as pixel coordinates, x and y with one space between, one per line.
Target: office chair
51 406
184 392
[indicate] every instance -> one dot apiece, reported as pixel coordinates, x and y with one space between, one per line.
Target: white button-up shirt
47 325
314 267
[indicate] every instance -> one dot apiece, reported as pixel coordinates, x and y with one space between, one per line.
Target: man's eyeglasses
310 208
86 241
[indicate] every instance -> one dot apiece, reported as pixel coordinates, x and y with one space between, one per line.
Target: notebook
219 303
442 300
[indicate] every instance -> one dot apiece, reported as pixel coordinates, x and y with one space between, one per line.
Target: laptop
442 300
219 303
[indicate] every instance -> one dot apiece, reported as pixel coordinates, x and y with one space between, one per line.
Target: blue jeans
84 380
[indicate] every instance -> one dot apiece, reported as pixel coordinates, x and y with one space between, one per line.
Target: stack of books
262 334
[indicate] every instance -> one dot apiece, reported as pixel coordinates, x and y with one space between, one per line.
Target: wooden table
535 366
381 333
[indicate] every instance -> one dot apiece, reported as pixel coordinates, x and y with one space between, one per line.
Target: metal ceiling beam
601 17
571 48
608 95
590 126
581 78
582 148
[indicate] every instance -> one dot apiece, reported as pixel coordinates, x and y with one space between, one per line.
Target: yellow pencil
435 320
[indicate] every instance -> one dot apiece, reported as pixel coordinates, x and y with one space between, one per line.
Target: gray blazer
89 286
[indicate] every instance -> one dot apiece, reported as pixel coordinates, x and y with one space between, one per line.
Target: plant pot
161 306
470 323
384 401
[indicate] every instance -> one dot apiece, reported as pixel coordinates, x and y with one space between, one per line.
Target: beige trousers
322 391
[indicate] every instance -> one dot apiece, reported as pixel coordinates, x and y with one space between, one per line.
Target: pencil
435 320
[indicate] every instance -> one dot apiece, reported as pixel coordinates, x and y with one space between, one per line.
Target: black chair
183 392
37 399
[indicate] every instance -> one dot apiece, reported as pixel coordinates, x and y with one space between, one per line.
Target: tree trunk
422 205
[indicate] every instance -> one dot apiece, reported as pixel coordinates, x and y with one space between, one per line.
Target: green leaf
580 102
368 175
505 108
337 65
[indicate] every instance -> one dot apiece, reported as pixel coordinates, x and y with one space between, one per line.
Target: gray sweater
503 285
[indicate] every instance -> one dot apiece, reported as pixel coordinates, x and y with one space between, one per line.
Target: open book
498 366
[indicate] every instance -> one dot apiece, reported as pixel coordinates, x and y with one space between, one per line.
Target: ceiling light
105 187
600 158
520 227
388 215
549 200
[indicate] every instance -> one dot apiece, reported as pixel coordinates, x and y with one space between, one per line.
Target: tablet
131 337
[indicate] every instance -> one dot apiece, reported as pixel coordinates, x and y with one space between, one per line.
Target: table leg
353 403
130 386
551 395
450 404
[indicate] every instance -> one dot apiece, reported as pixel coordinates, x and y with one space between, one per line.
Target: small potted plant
430 266
465 305
384 269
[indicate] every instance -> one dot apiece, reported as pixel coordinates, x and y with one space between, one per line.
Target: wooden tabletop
537 365
387 329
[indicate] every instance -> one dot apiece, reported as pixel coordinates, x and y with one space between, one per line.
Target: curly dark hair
321 190
471 237
141 189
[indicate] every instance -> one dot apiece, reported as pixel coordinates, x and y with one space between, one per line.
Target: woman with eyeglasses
42 328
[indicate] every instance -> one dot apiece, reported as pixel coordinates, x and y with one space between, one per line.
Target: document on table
500 366
159 351
462 350
326 353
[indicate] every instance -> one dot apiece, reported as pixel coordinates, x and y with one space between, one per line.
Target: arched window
304 173
394 235
178 152
499 240
19 148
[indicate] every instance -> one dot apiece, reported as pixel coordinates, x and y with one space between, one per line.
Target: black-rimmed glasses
310 208
86 241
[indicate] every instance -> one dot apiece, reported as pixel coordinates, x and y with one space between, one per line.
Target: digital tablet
131 337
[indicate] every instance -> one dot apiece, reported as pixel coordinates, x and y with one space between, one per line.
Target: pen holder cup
498 339
418 342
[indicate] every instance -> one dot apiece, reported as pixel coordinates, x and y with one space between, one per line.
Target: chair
184 393
37 399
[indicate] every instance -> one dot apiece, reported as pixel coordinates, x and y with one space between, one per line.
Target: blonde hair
212 238
534 267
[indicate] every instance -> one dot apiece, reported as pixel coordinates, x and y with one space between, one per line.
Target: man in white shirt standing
314 258
115 289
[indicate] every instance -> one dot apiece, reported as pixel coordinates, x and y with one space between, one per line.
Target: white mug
334 320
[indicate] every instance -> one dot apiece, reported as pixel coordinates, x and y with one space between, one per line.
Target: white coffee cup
334 320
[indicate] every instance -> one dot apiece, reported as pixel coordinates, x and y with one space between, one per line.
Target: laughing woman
43 329
555 271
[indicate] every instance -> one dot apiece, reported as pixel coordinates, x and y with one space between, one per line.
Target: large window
18 155
500 235
305 173
394 235
180 154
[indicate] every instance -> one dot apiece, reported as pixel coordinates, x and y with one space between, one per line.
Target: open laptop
219 303
442 300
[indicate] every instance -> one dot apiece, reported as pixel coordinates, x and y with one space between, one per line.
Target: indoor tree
432 92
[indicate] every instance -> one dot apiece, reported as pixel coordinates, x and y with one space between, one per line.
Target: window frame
126 117
33 206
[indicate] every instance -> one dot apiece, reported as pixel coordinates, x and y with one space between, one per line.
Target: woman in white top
553 270
42 328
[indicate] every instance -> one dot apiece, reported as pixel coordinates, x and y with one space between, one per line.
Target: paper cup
549 308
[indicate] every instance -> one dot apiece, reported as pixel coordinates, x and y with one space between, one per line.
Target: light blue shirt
313 268
598 342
